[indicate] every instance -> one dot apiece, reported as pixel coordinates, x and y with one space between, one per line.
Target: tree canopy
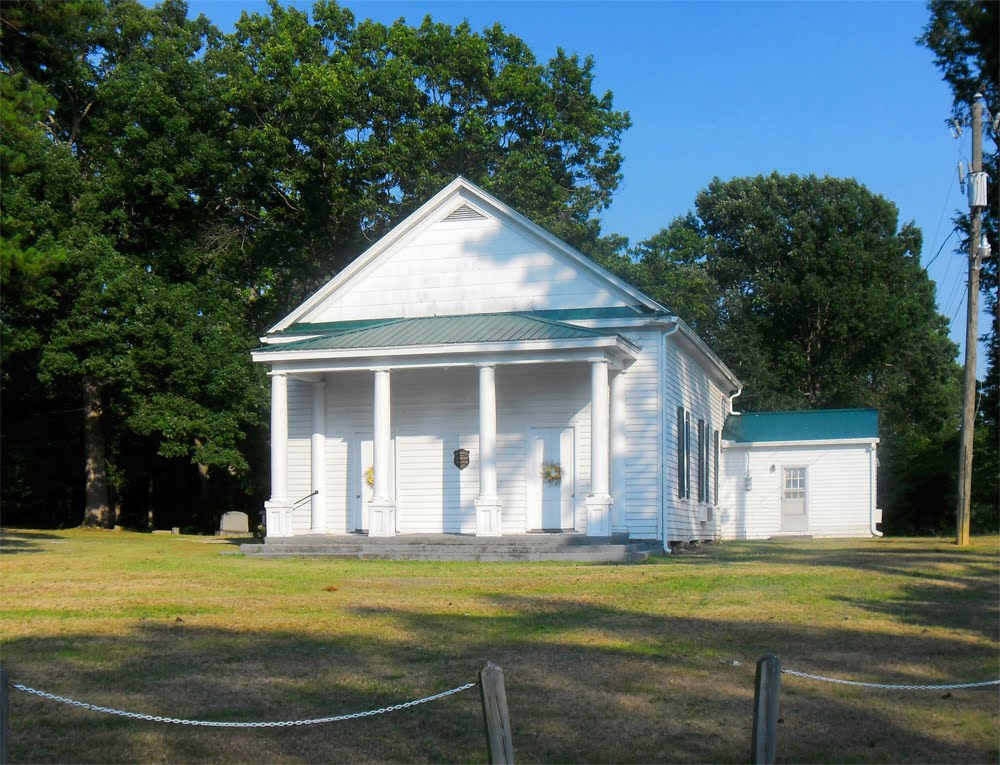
965 38
814 294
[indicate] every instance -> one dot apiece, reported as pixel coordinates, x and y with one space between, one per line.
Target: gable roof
815 425
457 195
440 330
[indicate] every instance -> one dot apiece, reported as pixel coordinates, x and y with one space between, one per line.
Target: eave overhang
618 351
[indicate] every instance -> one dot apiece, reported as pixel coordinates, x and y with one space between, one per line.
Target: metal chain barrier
217 724
890 687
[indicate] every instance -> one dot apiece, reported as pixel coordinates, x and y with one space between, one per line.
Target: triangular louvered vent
464 212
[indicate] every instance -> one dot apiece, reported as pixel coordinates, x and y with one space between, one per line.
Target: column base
488 517
382 518
278 518
599 515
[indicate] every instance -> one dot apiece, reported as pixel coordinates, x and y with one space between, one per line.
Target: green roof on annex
440 330
813 425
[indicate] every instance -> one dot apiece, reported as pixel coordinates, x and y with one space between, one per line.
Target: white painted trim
279 437
689 334
308 368
799 444
423 213
617 343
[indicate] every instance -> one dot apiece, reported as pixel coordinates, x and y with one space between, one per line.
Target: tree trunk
97 511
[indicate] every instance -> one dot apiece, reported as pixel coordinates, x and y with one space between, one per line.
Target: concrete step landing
459 547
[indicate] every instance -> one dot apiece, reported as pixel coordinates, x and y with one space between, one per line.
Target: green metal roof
561 314
441 330
815 425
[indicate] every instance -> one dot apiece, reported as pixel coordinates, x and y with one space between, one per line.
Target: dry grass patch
603 663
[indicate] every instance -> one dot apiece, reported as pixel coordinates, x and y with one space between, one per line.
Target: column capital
486 365
599 360
278 373
381 370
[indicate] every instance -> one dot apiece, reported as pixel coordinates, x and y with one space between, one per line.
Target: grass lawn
636 663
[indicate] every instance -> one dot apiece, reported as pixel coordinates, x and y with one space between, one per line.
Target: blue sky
741 88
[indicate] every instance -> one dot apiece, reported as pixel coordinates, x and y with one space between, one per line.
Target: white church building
472 374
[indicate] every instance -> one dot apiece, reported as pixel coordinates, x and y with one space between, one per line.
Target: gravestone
233 523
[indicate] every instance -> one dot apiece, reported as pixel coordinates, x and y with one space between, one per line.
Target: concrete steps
457 547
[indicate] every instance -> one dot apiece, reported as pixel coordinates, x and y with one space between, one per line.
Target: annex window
795 483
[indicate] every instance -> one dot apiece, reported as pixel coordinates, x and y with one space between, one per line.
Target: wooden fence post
4 715
495 715
767 689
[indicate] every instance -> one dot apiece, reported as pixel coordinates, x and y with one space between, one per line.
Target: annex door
793 499
550 502
363 478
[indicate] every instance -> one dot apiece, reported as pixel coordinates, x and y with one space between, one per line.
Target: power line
946 240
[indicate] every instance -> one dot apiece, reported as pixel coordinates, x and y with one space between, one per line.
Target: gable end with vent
464 212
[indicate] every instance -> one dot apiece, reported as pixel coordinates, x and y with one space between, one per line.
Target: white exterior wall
689 384
459 267
299 448
643 463
435 411
839 489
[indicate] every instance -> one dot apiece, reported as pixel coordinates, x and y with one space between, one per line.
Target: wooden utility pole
971 329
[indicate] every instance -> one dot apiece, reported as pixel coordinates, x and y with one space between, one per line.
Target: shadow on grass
12 542
954 588
585 683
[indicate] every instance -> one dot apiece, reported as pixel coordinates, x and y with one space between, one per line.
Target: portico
583 369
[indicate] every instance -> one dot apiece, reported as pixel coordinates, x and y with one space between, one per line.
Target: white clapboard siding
299 452
511 481
688 383
838 490
460 267
643 438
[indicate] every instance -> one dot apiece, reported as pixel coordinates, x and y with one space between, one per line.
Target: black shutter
687 454
701 460
680 452
717 455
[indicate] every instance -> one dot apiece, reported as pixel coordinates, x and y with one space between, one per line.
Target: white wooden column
318 457
382 507
619 451
278 510
488 505
599 502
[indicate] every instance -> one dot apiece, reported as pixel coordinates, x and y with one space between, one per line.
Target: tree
169 191
117 145
965 39
815 296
